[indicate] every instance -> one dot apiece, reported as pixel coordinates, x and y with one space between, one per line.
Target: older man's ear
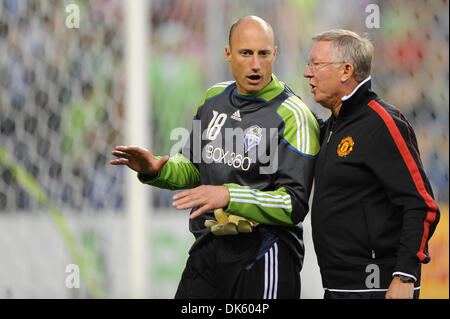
347 71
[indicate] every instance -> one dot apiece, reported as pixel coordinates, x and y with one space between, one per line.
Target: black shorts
224 267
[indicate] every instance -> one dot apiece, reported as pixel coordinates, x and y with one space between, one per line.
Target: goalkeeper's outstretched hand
138 159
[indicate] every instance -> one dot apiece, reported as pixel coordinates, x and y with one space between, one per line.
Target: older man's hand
400 290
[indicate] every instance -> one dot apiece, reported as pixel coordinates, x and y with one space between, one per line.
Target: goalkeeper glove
228 224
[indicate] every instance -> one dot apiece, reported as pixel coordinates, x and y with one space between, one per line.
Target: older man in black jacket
373 210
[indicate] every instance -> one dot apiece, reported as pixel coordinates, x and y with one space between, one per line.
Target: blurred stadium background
64 106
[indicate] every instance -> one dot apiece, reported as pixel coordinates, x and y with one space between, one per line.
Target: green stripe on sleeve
301 128
272 207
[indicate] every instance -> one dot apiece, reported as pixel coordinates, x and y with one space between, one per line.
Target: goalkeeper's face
251 54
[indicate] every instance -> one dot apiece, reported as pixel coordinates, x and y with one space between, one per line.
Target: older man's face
324 77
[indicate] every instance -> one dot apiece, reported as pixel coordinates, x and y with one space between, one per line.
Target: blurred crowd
62 90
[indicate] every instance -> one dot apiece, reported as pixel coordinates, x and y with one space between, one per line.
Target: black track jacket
373 210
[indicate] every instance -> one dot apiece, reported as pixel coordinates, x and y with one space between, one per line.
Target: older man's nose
308 72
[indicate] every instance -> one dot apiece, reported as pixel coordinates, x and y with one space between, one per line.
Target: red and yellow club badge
345 146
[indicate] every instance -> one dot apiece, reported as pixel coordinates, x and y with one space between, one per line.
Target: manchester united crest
345 146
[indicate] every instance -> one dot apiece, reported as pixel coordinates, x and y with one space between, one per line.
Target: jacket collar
353 103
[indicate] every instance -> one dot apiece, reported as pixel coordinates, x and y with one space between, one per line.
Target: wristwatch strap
405 279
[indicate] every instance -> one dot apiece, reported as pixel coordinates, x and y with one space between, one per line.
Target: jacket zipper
329 136
370 241
333 124
324 149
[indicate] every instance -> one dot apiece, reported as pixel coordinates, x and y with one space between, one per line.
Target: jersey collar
273 89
